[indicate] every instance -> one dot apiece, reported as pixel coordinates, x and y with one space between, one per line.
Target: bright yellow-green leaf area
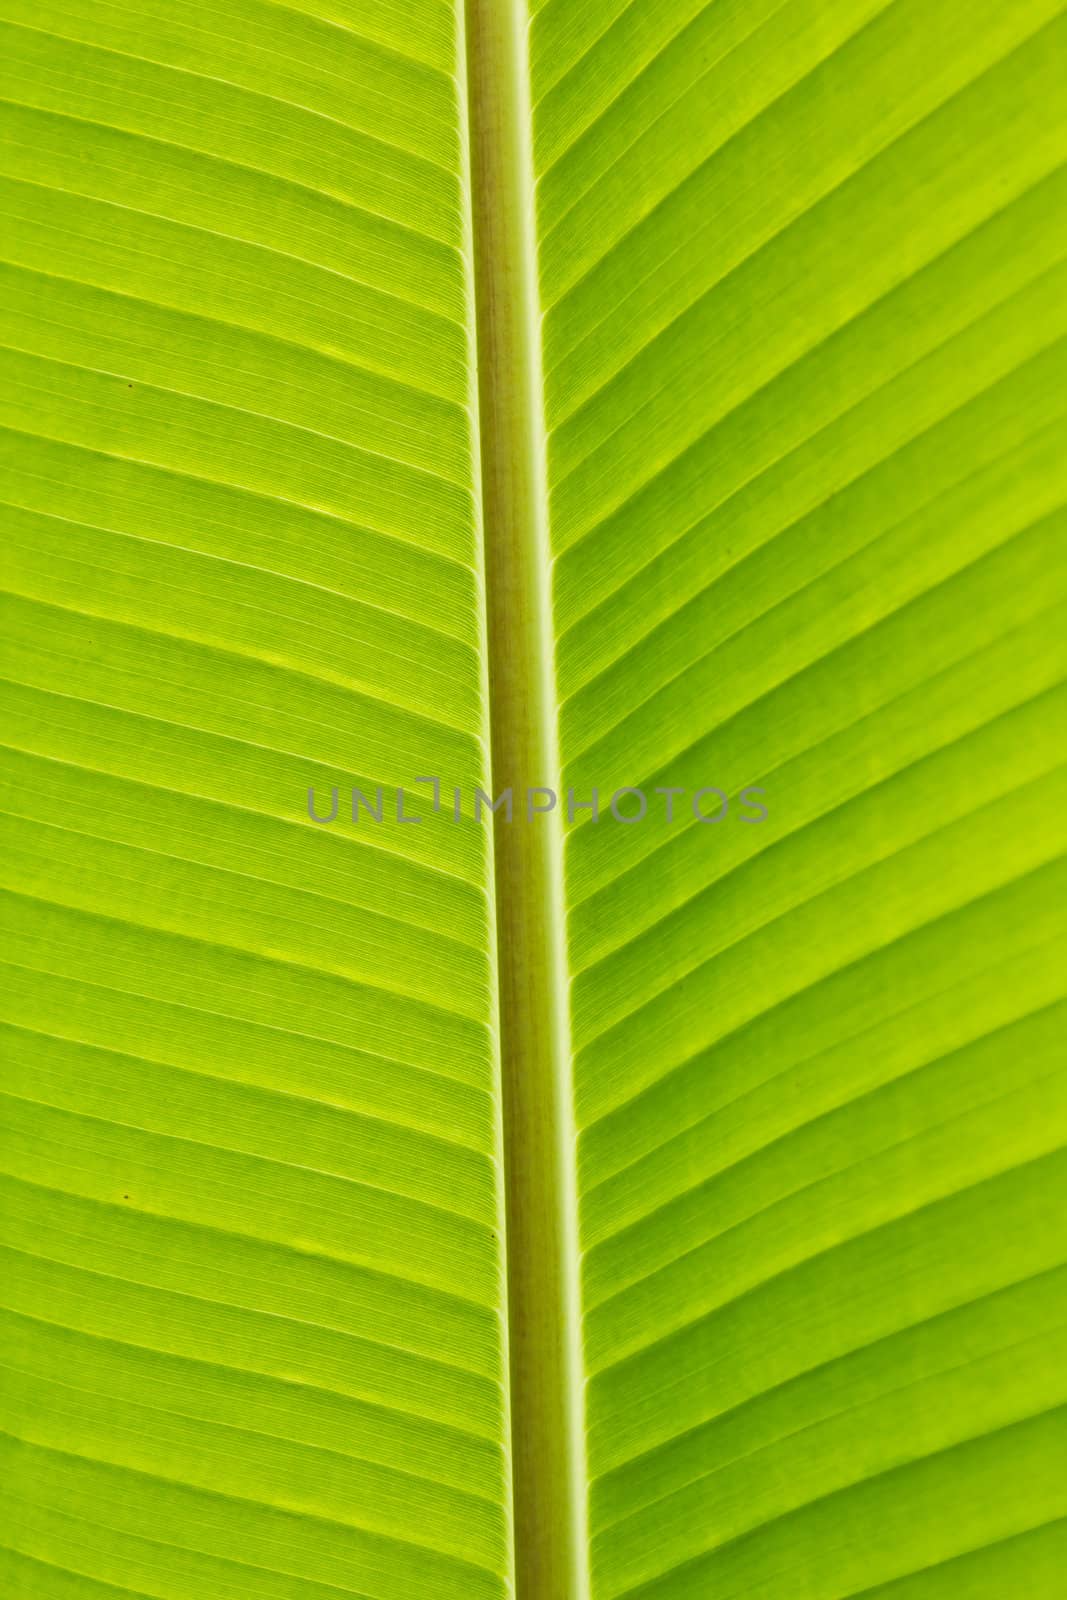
805 291
803 281
252 1283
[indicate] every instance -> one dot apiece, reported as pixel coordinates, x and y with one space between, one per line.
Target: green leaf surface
252 1328
802 270
660 395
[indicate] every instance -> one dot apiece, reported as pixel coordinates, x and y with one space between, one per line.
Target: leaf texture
252 1308
801 353
802 277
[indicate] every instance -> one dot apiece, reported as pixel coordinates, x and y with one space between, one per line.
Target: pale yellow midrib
547 1378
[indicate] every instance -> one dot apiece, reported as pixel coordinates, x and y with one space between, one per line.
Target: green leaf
803 280
645 395
253 1334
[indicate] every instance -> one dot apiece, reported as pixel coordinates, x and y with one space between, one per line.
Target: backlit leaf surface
802 268
802 271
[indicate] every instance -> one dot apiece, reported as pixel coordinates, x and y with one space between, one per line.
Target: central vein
548 1431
